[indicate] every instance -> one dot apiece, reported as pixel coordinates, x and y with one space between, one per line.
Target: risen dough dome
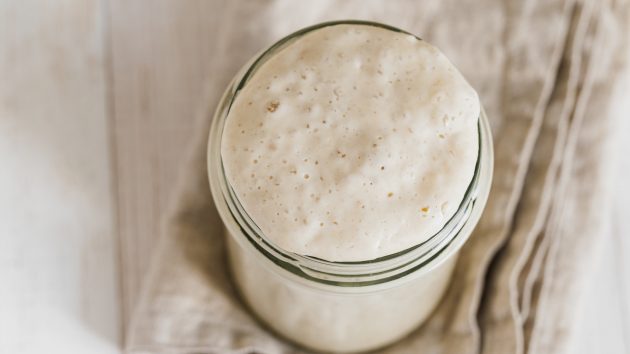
352 143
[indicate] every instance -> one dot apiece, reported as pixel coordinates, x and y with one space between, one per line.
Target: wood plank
58 260
161 56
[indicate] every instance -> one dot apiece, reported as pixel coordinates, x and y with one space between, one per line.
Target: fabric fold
501 319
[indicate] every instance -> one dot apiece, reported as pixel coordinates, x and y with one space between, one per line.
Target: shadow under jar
339 306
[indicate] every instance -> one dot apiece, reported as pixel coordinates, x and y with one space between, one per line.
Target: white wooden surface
97 99
604 318
160 60
58 269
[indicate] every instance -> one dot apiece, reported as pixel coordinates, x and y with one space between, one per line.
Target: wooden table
97 100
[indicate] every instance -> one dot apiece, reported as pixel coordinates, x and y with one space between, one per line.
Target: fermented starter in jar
348 145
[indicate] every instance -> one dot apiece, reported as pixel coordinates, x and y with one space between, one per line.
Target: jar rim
354 274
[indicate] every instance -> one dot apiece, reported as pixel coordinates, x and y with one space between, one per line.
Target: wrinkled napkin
545 72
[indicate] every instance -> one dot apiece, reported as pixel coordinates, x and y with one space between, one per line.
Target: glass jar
339 306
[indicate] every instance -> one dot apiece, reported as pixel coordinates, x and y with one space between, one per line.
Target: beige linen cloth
545 71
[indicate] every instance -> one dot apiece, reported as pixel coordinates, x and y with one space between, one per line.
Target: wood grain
160 59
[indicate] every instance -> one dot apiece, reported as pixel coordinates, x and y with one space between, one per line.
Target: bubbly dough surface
352 143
